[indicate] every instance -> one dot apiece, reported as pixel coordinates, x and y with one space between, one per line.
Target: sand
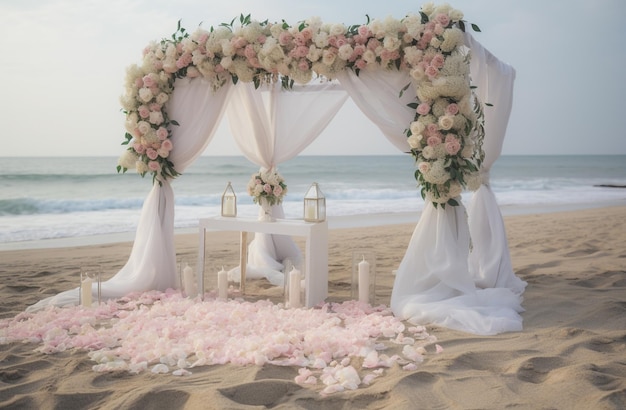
570 355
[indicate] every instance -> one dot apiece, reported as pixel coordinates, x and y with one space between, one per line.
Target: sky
63 64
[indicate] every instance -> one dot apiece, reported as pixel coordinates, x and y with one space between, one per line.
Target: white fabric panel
490 260
377 94
272 125
152 261
433 285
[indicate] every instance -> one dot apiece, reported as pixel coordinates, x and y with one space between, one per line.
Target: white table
316 252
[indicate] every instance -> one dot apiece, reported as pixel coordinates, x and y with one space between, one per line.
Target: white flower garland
445 136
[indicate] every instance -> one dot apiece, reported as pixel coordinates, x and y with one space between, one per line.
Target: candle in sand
364 280
294 288
222 284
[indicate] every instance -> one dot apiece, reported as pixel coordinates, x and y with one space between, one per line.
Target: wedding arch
422 80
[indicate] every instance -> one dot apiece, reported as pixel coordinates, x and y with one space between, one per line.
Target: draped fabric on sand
432 282
490 261
438 280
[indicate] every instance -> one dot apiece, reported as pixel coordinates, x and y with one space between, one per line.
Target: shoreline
334 222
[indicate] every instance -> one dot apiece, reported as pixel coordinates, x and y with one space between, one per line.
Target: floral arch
421 64
444 135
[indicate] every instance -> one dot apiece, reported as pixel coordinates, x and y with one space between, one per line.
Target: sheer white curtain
433 283
377 94
490 260
272 125
152 261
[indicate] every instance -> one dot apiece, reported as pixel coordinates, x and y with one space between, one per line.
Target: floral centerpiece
267 186
445 136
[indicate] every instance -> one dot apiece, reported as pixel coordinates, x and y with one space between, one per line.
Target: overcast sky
63 65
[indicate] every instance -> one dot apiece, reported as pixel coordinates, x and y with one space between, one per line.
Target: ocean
43 199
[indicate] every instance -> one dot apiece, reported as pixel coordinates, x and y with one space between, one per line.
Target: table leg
243 260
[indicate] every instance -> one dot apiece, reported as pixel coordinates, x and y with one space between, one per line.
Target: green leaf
476 28
453 202
489 104
406 87
174 122
424 17
412 105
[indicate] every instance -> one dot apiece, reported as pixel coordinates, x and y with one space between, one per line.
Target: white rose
455 15
162 98
144 127
414 141
345 51
337 29
141 167
128 159
145 94
446 122
417 127
156 117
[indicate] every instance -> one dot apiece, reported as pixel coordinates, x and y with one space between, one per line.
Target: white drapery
439 281
433 283
152 261
377 94
272 125
490 261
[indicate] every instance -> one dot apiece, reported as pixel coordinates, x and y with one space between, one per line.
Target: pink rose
423 108
162 133
438 61
452 109
278 190
139 148
433 141
154 166
152 154
442 19
267 188
452 147
360 64
249 51
167 145
432 128
303 64
364 31
144 112
148 81
284 38
424 167
432 71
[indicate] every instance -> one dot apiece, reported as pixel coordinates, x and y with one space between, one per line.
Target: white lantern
229 202
314 204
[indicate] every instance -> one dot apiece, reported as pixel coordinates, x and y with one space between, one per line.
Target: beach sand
570 355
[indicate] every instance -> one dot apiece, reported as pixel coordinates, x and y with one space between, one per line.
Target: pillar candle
310 211
229 207
294 288
85 291
189 281
222 284
364 280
